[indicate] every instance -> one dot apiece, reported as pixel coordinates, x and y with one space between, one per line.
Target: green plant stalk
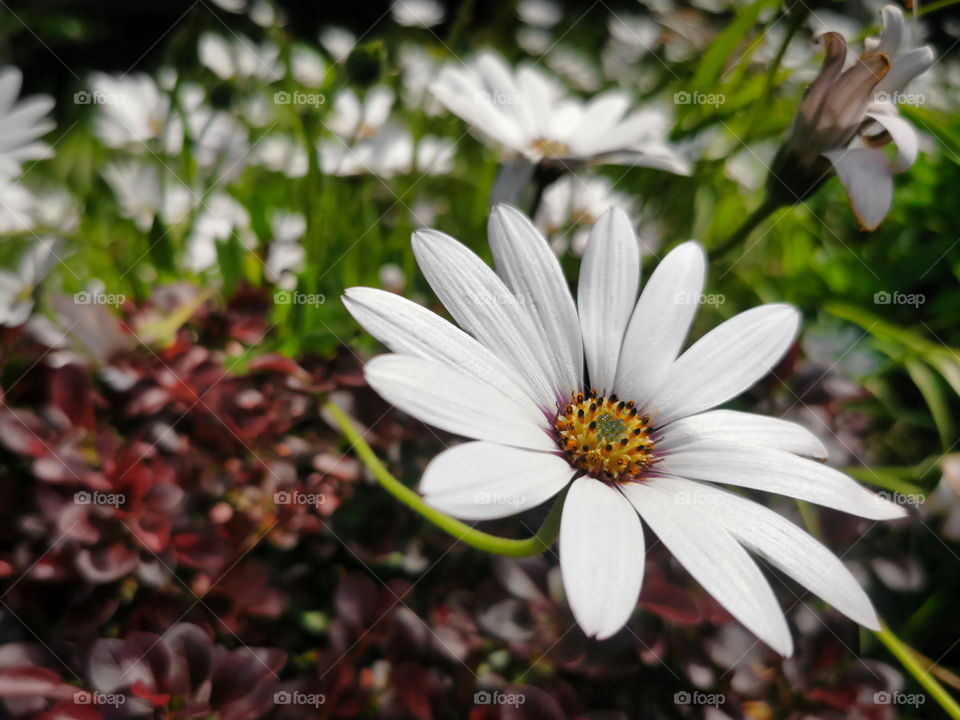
764 211
905 654
545 537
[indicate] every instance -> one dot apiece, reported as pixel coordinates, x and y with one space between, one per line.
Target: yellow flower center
551 148
605 437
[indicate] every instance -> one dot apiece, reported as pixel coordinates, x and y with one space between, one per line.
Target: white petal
904 137
659 157
743 428
601 113
714 558
725 362
601 557
376 105
607 292
506 96
906 67
783 544
409 329
463 92
531 270
483 306
457 403
482 481
865 174
891 37
628 134
777 472
660 322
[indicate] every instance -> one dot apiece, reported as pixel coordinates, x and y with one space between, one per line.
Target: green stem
905 654
545 537
749 225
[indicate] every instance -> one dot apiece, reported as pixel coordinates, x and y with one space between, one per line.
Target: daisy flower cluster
356 360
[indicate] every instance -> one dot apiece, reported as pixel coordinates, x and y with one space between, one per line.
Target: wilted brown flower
845 104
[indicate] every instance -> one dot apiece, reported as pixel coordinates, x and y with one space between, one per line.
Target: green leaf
719 52
925 380
935 124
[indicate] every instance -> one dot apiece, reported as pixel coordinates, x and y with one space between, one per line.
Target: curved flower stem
749 225
905 654
545 537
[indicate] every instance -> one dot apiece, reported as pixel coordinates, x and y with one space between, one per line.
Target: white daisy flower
570 207
16 288
286 255
307 66
143 191
242 58
221 217
534 40
539 13
353 117
17 204
418 70
600 395
137 111
417 13
22 124
219 141
337 41
281 153
390 152
529 113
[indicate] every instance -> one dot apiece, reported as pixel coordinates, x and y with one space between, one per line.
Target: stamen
605 437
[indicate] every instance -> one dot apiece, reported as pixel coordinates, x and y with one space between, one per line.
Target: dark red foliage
183 536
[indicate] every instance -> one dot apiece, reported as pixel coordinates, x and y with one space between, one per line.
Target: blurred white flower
337 41
286 255
425 209
392 278
353 117
221 217
570 207
231 6
575 67
945 499
257 110
16 288
637 33
21 124
418 70
539 13
240 58
288 226
529 114
417 13
54 208
390 152
135 111
143 191
534 40
16 206
266 15
218 140
281 153
307 66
